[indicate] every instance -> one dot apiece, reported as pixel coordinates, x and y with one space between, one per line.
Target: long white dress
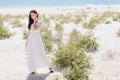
35 49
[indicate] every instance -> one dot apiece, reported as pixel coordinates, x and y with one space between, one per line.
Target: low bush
4 32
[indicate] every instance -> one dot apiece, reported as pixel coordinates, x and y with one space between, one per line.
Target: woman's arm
37 25
27 38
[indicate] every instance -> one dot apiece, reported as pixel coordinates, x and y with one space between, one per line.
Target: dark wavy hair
30 19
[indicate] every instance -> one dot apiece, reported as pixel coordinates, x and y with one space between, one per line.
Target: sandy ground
106 68
57 10
13 58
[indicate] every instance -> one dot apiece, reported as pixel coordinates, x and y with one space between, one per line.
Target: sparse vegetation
66 18
9 17
25 34
109 54
98 19
75 63
16 23
4 32
107 22
86 42
45 19
59 32
118 33
79 17
116 17
1 20
91 23
46 35
107 14
71 57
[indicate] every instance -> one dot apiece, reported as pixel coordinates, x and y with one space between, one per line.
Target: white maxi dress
35 50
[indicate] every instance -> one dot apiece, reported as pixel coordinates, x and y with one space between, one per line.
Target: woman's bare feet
51 70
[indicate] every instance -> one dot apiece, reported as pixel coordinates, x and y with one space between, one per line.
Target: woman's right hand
27 39
26 44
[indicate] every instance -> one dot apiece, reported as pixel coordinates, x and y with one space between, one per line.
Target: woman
35 48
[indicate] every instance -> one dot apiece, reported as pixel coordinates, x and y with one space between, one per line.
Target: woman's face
33 15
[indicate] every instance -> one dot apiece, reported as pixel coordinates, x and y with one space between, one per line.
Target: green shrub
74 62
19 16
59 17
25 34
86 42
45 19
58 27
4 32
98 19
62 19
118 33
107 14
52 17
77 18
107 22
72 57
116 17
16 23
1 19
79 72
66 18
46 35
75 36
91 23
9 17
6 17
59 32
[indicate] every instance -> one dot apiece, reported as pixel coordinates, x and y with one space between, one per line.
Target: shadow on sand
37 76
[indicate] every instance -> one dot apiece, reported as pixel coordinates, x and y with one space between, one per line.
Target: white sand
13 63
62 9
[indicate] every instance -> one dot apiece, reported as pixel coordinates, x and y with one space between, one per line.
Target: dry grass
109 54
